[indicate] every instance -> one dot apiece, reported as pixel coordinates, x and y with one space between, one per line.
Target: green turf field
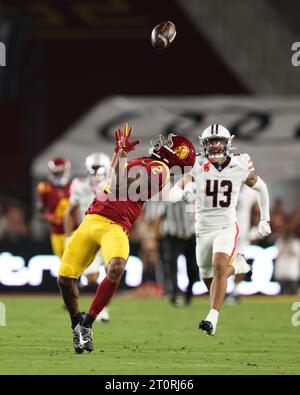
149 336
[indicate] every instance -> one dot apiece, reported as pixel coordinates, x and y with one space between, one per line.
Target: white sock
235 290
212 316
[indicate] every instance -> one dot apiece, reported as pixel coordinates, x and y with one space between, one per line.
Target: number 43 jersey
217 191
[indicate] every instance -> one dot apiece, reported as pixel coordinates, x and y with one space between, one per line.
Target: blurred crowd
164 232
286 236
14 223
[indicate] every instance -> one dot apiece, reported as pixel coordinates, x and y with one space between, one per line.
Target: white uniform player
219 176
218 188
82 193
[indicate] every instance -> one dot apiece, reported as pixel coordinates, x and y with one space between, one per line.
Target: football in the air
163 34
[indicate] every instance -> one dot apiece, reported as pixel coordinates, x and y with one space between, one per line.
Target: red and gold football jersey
124 211
54 200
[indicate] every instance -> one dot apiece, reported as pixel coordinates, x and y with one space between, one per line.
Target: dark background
63 56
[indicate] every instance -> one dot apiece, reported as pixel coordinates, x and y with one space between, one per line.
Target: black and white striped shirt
177 219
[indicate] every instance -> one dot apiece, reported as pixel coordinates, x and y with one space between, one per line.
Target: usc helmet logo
182 151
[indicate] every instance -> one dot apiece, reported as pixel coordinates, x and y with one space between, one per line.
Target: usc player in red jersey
53 200
110 218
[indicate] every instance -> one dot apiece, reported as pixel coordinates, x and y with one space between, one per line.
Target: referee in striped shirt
176 233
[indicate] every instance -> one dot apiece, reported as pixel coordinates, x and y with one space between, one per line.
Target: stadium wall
266 128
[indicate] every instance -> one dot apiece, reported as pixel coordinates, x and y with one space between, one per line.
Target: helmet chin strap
151 152
158 156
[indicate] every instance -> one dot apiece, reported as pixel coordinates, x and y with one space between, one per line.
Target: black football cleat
85 337
76 338
207 327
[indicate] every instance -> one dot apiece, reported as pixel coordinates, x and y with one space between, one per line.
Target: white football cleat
240 265
103 316
209 325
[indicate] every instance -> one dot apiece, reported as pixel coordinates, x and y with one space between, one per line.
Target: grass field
149 336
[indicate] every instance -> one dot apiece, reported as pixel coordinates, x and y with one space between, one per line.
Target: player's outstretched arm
114 160
183 188
255 182
125 145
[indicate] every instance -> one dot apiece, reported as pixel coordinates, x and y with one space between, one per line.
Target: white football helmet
211 138
59 169
97 164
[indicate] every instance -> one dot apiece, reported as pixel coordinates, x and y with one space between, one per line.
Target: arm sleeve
263 199
176 194
249 165
74 193
192 173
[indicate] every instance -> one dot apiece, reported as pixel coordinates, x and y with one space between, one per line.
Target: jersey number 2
212 189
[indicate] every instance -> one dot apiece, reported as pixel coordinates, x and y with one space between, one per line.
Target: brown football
163 34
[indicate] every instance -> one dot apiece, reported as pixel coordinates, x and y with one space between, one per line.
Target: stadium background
75 70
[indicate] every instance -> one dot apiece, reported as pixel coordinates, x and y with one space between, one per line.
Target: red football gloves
118 136
123 140
126 144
